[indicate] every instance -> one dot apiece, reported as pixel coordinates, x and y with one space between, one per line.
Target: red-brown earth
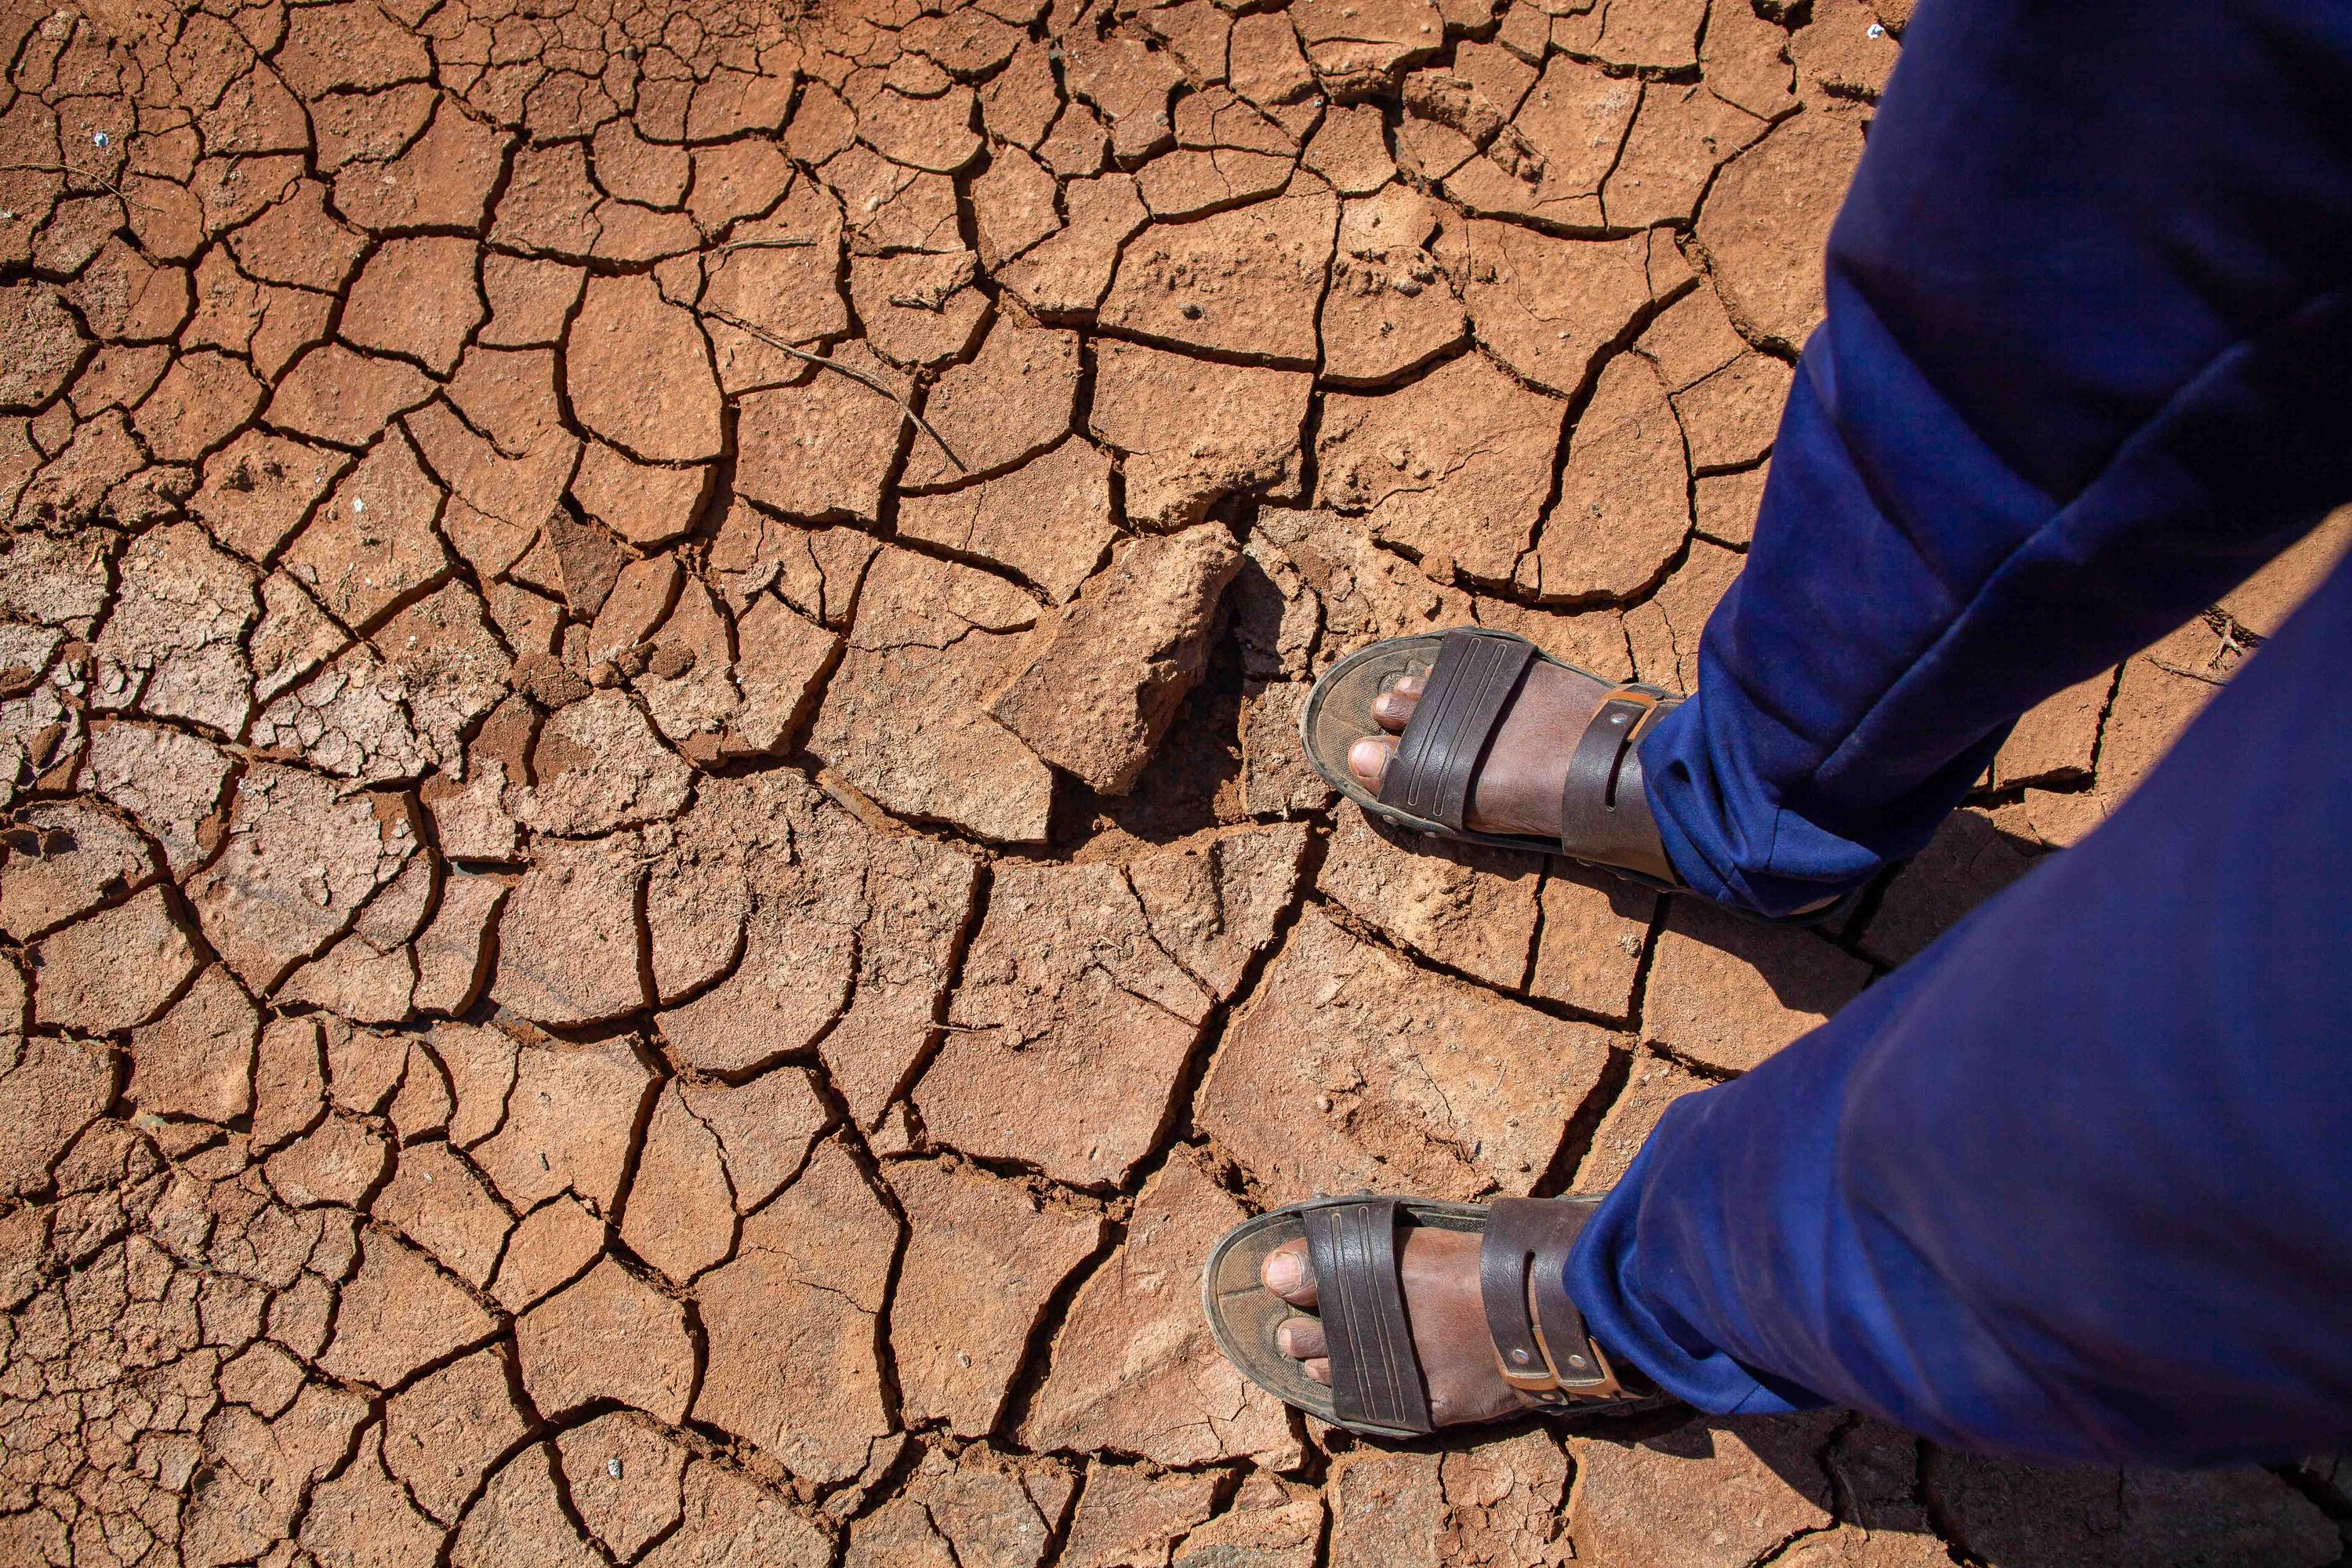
617 950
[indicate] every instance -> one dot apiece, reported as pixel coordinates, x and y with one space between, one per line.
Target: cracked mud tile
1967 861
1454 467
1013 400
1268 1524
569 941
568 1121
728 1518
1276 778
443 1432
1106 675
363 1509
301 857
1664 629
624 1475
1843 55
1468 907
1358 48
730 893
637 372
982 1258
196 1060
1549 308
1726 992
822 447
1877 1468
1550 161
56 1089
1064 276
929 647
1348 1067
1134 1369
1049 519
260 488
1175 468
1654 1084
1769 213
398 1313
437 1201
1243 282
681 1212
60 861
565 1346
1497 1502
2057 739
1083 993
981 1509
1623 509
520 1517
1360 592
790 1324
1128 1516
171 647
1714 1494
599 766
1391 307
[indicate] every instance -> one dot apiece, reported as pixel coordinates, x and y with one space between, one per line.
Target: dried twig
851 371
2170 669
72 172
781 242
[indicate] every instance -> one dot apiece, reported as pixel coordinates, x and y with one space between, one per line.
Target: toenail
1282 1272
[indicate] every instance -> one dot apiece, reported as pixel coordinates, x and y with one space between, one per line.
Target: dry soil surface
618 951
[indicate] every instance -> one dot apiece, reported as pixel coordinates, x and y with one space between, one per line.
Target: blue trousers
2076 1181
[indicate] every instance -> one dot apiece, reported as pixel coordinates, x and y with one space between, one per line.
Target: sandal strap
1470 684
1375 1373
1604 809
1540 1344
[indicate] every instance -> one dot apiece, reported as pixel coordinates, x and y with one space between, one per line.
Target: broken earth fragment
1105 679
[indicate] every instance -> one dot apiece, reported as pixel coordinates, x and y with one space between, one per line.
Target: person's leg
2076 1181
2083 370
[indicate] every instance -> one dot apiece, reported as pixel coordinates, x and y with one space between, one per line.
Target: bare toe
1288 1275
1368 758
1317 1370
1393 707
1301 1339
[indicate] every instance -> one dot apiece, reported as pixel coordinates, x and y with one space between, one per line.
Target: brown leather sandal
1377 1387
1472 673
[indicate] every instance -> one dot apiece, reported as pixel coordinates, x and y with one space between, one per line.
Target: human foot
1439 1269
1518 786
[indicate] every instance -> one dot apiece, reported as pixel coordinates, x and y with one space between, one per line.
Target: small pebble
1875 30
612 1467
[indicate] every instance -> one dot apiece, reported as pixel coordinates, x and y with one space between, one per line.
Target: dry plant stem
855 374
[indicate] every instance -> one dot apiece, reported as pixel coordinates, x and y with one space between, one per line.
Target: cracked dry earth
616 953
